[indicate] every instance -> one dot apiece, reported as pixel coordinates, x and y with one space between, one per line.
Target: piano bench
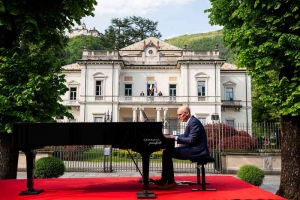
201 162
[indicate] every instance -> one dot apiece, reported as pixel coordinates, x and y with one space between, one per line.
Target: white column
141 115
165 113
158 114
134 118
166 123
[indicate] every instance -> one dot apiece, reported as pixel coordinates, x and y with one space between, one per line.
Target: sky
174 17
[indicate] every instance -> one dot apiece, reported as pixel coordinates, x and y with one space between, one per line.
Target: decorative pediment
73 83
201 75
229 83
151 42
98 75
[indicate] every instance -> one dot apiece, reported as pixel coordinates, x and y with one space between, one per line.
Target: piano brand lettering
153 141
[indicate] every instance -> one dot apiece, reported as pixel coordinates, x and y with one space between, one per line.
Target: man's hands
170 136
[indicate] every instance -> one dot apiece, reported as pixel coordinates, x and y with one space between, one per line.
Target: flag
155 86
150 86
145 116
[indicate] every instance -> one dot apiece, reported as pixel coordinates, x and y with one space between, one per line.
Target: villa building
119 85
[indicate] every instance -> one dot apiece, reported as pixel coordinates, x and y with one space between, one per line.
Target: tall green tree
265 35
129 30
31 44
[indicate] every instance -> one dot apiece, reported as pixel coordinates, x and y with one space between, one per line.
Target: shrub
251 174
49 167
156 155
238 143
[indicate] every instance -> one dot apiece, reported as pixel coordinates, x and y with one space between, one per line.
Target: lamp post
107 117
108 150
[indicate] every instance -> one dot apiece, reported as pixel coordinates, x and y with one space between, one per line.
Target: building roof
228 66
151 41
73 66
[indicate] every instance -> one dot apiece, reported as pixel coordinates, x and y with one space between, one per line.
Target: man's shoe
167 186
160 182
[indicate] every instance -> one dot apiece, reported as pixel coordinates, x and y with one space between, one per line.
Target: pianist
194 144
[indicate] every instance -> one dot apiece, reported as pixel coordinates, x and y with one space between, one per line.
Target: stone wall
269 163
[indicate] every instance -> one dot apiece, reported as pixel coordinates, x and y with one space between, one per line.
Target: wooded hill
204 41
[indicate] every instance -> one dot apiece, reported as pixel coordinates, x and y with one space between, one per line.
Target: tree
31 55
265 35
262 112
129 30
76 44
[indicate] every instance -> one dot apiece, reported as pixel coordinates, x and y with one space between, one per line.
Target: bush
238 143
49 167
251 174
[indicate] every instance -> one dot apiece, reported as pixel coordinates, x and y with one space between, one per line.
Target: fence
264 137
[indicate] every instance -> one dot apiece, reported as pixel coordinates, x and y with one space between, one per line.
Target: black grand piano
142 137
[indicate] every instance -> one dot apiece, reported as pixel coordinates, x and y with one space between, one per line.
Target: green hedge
49 167
251 174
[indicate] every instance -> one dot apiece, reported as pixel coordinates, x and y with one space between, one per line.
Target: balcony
142 99
235 104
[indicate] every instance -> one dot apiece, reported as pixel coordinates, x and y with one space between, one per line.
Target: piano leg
30 160
145 194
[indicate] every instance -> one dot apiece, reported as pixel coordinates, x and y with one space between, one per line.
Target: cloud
132 7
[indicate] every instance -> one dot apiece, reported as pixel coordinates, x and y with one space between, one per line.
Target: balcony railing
145 99
231 104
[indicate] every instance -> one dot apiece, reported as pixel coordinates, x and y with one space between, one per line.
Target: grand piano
142 137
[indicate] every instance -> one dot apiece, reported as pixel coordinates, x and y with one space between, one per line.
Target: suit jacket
194 139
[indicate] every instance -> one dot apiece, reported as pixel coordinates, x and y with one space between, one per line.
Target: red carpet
227 187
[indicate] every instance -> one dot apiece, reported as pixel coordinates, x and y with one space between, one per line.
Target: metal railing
265 138
144 99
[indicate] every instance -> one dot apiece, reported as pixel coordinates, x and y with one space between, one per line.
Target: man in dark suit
194 144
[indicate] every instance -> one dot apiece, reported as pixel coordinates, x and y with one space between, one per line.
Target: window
202 120
99 89
229 86
73 93
150 89
201 90
202 80
98 119
229 93
230 122
128 91
172 91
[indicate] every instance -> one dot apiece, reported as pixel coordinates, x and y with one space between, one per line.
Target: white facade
109 83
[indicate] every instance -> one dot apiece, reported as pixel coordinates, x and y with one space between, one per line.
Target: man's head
183 113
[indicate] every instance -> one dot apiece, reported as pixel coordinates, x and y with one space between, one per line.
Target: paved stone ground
271 182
